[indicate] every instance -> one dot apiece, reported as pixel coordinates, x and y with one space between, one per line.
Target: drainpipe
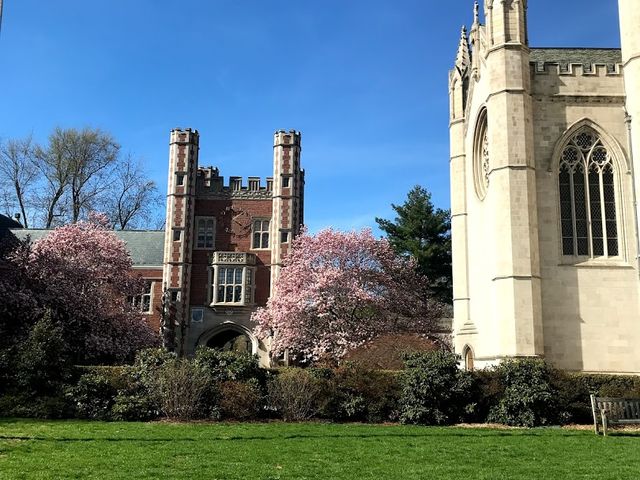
627 120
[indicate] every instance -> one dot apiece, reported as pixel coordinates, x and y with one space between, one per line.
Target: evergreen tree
424 232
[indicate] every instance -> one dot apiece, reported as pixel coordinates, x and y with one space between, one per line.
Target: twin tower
224 244
545 158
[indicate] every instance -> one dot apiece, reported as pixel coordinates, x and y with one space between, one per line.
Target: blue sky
364 80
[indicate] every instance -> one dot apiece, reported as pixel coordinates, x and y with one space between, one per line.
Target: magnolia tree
83 272
337 291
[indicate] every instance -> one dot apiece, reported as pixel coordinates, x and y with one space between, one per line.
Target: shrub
27 406
240 400
434 390
295 394
574 390
137 406
361 394
228 365
185 391
529 398
41 365
93 396
147 364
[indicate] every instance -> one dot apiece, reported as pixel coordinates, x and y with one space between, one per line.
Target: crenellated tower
181 192
288 196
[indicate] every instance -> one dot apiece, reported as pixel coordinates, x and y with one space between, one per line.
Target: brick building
224 242
221 249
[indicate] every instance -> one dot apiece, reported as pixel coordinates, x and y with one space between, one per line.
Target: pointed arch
481 154
617 152
588 164
226 327
468 357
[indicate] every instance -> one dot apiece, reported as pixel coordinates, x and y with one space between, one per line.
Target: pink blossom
84 271
336 291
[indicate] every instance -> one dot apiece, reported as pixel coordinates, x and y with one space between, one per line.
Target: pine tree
424 232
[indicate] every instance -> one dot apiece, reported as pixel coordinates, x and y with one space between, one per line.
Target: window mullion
587 199
573 213
603 216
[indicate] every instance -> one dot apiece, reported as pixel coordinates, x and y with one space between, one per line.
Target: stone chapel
545 158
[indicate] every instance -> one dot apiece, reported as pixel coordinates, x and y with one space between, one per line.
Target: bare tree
75 172
91 155
133 198
18 173
77 164
55 172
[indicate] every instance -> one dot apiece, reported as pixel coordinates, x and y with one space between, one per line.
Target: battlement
185 136
597 62
210 182
284 138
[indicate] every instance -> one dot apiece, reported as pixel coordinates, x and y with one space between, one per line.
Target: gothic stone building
544 146
221 250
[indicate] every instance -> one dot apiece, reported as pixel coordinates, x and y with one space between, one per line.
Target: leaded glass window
233 285
260 234
587 197
230 285
481 156
205 232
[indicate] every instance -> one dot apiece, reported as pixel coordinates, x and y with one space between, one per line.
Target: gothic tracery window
481 156
587 197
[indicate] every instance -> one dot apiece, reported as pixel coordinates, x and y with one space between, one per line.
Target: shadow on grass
235 438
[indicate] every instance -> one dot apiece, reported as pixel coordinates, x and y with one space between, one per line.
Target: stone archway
230 337
230 340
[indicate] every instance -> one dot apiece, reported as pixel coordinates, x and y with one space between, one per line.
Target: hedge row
216 385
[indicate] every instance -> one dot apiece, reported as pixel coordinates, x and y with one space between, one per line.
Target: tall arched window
587 197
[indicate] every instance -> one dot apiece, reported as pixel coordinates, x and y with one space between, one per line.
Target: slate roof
145 246
583 56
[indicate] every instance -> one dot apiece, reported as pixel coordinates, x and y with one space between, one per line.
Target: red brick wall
231 236
153 275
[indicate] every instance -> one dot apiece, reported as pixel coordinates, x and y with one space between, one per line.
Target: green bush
363 395
41 365
228 365
240 400
147 364
93 396
434 390
574 390
529 398
138 406
27 406
35 373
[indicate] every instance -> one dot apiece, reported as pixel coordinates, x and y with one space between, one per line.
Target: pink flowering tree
337 291
83 272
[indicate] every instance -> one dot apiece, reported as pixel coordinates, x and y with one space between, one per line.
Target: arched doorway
468 358
231 340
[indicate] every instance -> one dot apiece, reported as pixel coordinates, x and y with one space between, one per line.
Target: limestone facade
545 250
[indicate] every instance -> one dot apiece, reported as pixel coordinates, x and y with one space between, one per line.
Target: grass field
32 449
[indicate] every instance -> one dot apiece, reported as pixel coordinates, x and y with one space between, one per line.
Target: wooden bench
614 411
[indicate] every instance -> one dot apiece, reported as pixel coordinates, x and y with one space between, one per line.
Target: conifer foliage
336 291
424 232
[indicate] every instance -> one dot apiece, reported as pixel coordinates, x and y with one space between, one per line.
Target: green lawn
32 449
